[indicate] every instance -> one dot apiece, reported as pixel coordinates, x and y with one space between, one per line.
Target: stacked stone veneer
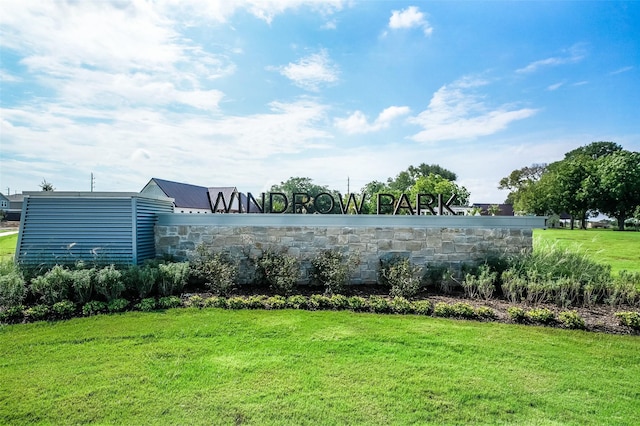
422 243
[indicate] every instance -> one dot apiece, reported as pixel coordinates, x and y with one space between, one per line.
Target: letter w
345 208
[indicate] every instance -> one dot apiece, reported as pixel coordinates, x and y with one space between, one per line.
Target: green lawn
621 250
298 367
8 246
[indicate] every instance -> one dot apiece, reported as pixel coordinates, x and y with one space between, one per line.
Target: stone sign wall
441 240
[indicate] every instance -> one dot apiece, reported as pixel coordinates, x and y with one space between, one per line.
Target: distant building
12 206
502 209
196 199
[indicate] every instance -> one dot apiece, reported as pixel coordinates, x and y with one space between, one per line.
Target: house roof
184 194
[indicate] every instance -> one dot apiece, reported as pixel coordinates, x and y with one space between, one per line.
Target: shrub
256 302
485 312
279 270
195 301
142 280
82 283
146 305
216 270
422 307
215 302
379 305
357 303
276 302
513 285
36 313
482 284
318 301
629 319
443 309
401 275
297 302
541 315
117 305
172 278
12 285
12 314
94 307
463 310
63 310
236 303
571 319
53 286
625 288
109 282
339 302
332 269
169 302
517 314
400 305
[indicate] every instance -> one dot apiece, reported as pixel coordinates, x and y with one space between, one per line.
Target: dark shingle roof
184 194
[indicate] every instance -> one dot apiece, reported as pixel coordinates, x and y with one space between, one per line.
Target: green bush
332 270
279 270
169 302
463 310
256 302
276 302
379 305
513 285
297 302
517 314
625 288
12 314
629 319
109 282
117 305
541 315
422 307
142 280
37 313
53 286
12 285
82 282
339 302
401 276
94 307
63 310
571 319
400 305
146 305
481 284
485 312
443 309
236 302
172 278
217 271
215 302
318 301
357 303
195 301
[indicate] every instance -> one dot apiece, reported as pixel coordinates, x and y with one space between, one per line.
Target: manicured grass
8 246
621 250
298 367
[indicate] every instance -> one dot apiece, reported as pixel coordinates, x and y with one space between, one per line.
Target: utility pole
348 191
93 180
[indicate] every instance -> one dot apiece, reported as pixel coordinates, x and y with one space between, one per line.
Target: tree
406 179
521 183
436 184
594 150
619 185
303 204
46 186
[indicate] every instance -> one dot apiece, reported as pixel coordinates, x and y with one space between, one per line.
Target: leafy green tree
523 191
594 150
303 204
436 184
46 186
619 185
407 178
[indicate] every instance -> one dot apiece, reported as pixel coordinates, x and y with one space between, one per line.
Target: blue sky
250 93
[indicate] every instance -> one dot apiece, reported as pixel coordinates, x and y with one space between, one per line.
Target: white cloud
621 70
311 72
572 55
408 18
455 112
555 86
358 123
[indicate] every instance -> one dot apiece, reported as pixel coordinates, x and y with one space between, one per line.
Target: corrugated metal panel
146 218
105 230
